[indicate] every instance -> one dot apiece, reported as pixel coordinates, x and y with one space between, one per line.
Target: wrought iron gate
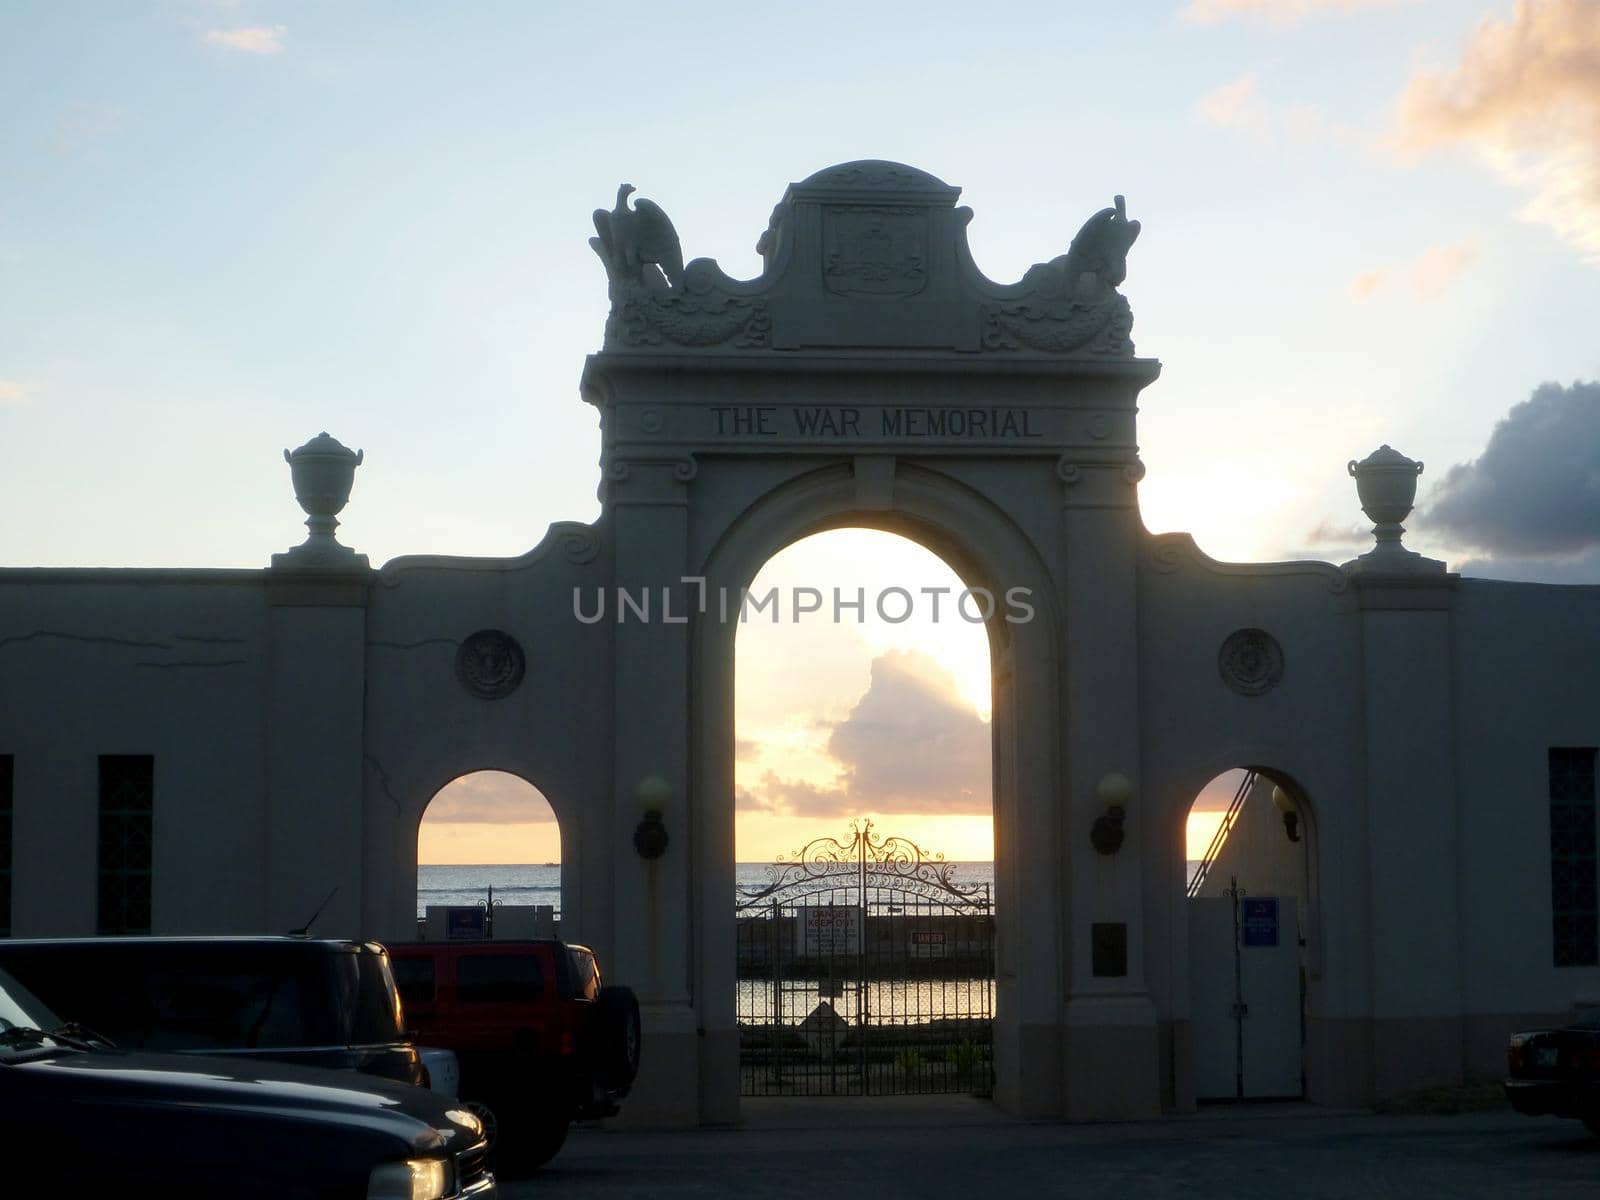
865 969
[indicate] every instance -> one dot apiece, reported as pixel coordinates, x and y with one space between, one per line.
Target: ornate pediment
864 256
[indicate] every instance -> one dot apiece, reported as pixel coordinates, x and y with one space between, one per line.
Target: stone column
1111 1059
315 708
1412 826
315 729
653 927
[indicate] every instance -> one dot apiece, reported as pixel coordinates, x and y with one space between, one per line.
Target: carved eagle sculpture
631 237
1101 247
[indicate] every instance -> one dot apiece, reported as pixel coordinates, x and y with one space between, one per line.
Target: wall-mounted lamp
650 835
1114 791
1291 819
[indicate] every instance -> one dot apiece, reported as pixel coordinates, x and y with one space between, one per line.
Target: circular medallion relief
490 664
1250 661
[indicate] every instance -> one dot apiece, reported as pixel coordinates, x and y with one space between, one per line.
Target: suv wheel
615 1031
532 1138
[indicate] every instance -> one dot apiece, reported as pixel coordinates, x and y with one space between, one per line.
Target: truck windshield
181 996
368 999
22 1013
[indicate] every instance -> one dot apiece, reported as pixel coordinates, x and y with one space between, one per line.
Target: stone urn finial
1386 482
323 472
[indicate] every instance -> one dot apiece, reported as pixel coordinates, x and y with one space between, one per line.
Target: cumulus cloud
1277 12
1531 501
1525 97
13 392
910 744
1429 275
796 797
251 39
488 797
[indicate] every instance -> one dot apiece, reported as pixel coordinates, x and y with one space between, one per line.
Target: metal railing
1221 836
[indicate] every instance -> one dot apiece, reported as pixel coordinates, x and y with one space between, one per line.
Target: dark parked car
321 1003
1556 1072
541 1041
84 1120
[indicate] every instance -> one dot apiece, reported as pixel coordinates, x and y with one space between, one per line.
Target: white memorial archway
869 376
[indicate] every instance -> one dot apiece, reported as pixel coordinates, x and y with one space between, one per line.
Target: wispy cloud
1276 12
1430 275
12 392
490 798
1368 283
1240 108
1231 105
1525 97
251 39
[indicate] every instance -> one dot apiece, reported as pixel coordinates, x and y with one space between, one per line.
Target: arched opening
987 548
488 860
864 821
1250 914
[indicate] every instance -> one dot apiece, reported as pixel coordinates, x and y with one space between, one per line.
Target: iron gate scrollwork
865 968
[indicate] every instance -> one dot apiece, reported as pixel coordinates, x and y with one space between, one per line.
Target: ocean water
515 883
534 883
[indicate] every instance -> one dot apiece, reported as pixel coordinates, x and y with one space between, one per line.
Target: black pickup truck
84 1119
312 1001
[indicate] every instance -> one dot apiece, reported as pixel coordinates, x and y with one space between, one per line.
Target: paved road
965 1150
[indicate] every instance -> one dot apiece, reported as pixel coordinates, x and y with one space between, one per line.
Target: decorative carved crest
1250 662
840 246
874 250
490 664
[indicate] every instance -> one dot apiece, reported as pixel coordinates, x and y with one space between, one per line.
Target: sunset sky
227 226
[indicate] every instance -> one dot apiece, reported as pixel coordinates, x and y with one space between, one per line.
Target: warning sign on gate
829 929
1258 921
927 943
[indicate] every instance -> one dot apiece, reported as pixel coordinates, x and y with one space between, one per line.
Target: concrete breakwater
841 942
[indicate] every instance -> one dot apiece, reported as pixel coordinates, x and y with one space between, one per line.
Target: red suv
541 1043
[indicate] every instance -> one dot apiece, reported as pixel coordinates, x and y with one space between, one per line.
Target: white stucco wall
172 665
1527 680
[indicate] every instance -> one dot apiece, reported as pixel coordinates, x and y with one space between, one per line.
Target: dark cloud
488 798
1582 568
1331 540
1533 496
1329 533
911 744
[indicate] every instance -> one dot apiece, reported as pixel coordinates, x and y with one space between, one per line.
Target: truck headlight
414 1179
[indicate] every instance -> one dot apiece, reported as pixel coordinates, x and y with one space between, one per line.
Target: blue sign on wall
1258 921
462 923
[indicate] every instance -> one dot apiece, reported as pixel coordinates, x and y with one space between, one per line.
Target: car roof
257 940
480 943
